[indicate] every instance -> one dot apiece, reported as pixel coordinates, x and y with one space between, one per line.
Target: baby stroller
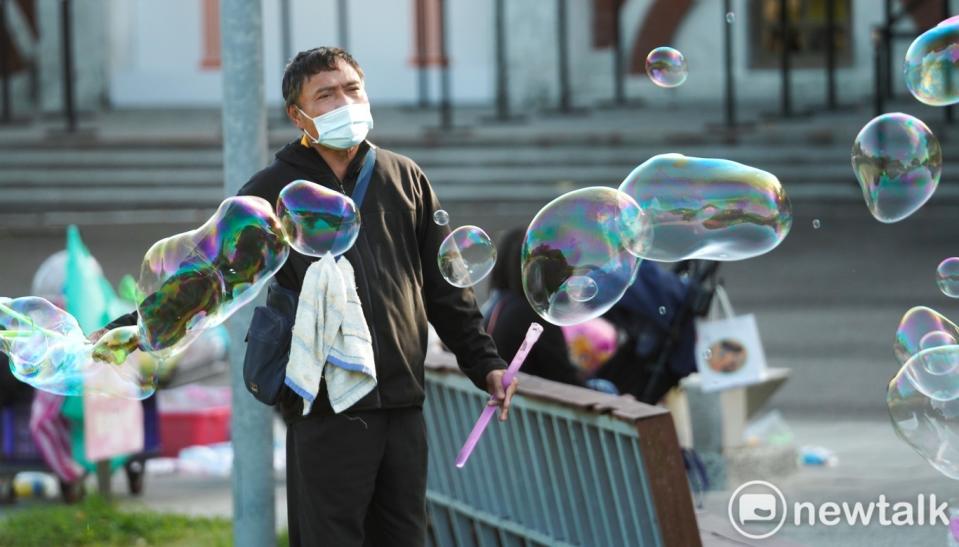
656 314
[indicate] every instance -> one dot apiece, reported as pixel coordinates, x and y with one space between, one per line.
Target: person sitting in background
507 316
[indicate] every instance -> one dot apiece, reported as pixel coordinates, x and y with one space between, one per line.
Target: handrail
571 466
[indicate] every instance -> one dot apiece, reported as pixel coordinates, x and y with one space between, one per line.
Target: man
359 477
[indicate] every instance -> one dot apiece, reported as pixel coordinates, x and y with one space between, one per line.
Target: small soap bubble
897 161
466 256
441 217
708 208
317 220
816 224
581 288
730 18
662 310
947 277
666 67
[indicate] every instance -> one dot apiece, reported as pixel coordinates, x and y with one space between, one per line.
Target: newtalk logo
758 509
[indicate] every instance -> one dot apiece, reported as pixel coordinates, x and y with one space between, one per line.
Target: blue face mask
342 128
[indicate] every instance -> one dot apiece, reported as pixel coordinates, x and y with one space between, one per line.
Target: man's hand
500 397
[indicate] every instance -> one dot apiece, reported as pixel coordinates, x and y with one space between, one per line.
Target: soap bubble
931 63
47 349
441 217
662 310
581 288
897 161
816 224
708 208
928 425
947 277
593 233
466 256
730 18
666 67
196 279
914 326
315 219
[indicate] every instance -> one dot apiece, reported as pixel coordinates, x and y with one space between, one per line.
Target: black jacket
398 280
508 320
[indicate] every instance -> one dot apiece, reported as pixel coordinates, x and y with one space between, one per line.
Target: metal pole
620 80
878 96
446 109
502 66
423 82
66 32
948 111
730 97
344 30
286 34
245 153
831 54
786 98
5 63
563 52
887 50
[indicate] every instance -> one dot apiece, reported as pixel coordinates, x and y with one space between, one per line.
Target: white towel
330 329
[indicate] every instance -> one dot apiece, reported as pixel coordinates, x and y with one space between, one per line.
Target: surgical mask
342 128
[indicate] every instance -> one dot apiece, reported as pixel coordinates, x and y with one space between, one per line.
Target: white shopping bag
729 352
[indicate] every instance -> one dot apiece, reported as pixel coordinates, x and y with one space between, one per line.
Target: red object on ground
193 415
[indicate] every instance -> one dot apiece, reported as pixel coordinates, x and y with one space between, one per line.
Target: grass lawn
98 522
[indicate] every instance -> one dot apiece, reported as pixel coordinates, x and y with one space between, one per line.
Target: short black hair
310 62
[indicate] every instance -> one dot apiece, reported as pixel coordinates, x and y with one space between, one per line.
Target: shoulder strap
363 181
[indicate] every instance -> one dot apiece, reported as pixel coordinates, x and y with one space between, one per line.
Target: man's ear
295 116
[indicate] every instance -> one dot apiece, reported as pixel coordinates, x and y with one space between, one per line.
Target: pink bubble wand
532 335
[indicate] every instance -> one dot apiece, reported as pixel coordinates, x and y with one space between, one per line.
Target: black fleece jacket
398 280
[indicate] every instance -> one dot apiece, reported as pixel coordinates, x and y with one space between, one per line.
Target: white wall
158 49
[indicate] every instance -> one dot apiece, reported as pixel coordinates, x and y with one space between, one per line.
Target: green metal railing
555 473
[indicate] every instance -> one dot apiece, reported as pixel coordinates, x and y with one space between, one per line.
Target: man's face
326 91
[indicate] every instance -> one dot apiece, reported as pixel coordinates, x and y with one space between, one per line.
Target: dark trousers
357 479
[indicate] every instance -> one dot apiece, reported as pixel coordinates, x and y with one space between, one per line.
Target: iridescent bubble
914 326
929 426
48 350
730 18
947 277
196 279
708 208
592 233
666 67
466 256
317 220
897 161
441 217
581 288
662 310
931 64
816 224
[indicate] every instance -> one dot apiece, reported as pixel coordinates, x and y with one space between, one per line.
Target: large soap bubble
317 220
48 350
931 63
926 346
708 208
929 426
466 256
580 254
897 161
195 280
666 67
